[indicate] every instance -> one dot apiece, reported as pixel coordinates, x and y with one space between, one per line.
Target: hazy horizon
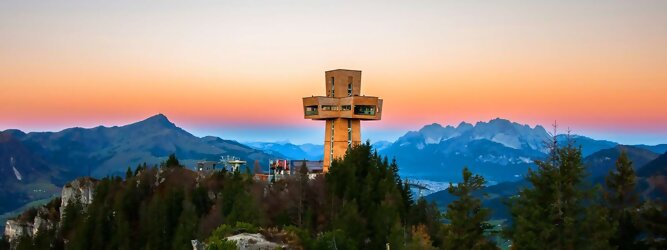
314 134
238 69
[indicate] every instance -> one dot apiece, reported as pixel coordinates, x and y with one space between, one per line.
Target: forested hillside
362 203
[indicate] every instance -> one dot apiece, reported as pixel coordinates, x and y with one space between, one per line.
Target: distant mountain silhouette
600 163
291 151
52 158
656 167
588 145
306 151
660 148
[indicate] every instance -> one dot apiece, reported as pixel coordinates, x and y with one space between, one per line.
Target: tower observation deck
343 108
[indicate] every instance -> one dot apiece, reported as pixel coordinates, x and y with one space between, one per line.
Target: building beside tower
343 108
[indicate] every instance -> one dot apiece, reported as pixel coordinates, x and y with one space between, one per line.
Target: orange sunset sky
238 69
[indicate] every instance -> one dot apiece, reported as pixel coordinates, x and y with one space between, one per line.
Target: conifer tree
172 161
303 185
186 227
622 200
466 217
4 244
128 173
559 211
653 221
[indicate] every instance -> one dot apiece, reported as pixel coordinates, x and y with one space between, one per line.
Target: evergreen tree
559 211
128 173
398 237
72 214
172 161
622 200
427 214
367 198
4 244
302 186
187 227
653 221
24 243
466 217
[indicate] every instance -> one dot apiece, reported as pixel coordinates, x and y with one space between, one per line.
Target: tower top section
342 83
343 99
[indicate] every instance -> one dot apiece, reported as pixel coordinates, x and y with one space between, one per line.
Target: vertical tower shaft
339 135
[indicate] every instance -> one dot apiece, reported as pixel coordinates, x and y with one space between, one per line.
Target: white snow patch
430 140
17 174
507 140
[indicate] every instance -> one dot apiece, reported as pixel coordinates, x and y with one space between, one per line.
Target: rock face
246 241
30 223
80 190
17 228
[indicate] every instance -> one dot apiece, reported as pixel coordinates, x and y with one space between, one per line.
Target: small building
315 167
281 168
229 163
232 163
207 166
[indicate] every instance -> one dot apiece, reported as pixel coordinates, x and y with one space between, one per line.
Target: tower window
329 107
364 110
311 110
332 87
349 86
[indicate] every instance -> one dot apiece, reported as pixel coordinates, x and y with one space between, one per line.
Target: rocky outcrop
81 190
15 229
22 226
198 245
246 241
46 217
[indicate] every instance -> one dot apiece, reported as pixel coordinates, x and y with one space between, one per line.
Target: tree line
361 203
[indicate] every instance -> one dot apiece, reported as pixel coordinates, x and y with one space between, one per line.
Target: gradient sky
238 69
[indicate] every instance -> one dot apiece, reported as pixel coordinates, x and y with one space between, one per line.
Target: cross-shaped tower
342 108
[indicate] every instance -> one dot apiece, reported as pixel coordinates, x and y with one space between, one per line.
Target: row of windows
358 109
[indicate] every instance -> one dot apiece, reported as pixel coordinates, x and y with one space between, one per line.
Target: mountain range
34 165
499 149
